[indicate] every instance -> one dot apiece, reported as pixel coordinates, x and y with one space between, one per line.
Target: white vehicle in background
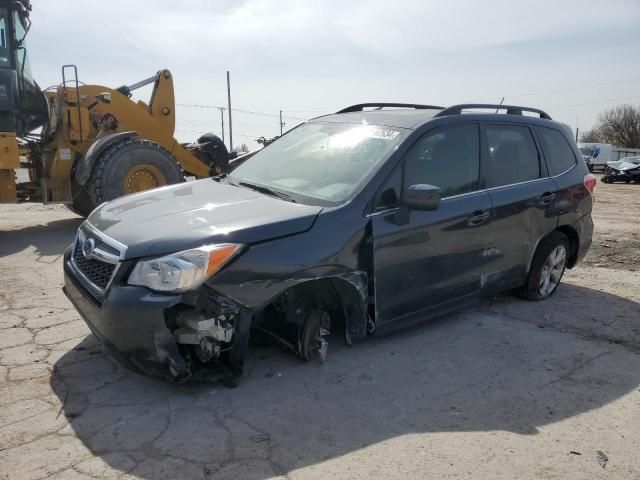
597 155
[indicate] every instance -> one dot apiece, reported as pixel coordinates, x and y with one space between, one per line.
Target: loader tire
82 204
132 166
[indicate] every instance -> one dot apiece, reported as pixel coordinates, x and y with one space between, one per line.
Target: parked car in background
624 170
359 222
598 155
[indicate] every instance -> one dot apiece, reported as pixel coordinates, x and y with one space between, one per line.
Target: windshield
5 49
320 161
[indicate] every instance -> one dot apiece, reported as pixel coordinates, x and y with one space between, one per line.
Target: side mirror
422 197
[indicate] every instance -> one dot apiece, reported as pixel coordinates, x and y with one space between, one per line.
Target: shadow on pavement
48 239
474 371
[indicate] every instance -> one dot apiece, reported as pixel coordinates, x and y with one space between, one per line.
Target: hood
188 215
622 165
627 166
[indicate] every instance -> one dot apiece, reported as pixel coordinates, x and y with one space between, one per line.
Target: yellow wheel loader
95 143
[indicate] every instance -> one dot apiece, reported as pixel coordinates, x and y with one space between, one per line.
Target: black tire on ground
107 181
590 167
532 288
82 204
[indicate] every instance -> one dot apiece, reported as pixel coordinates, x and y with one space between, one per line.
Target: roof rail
361 106
511 109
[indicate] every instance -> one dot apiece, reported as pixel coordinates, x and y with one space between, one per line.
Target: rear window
557 151
513 156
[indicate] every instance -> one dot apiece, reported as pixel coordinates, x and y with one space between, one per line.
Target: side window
448 158
513 156
389 196
557 151
5 58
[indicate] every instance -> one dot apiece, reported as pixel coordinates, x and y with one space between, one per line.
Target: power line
631 80
235 133
250 112
594 102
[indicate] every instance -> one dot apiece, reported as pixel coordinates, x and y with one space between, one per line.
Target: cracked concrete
508 389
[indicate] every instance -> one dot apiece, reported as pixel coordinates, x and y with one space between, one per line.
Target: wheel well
340 297
574 243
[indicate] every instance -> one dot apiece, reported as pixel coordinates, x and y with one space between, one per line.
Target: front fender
84 164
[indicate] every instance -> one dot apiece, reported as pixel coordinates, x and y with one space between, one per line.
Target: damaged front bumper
161 335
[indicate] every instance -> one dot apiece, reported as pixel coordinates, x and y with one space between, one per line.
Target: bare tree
591 136
619 126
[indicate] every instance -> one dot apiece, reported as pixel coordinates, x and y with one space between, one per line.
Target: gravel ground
509 389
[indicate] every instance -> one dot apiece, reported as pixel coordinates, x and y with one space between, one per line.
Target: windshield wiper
267 191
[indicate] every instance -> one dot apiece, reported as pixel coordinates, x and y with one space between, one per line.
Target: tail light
590 183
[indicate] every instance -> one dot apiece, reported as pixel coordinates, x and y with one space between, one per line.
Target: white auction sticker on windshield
383 134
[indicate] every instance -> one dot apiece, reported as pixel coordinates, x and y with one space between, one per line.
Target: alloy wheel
552 271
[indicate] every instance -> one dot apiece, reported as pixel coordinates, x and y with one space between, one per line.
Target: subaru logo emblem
88 246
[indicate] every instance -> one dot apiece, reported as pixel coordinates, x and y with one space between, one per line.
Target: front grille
96 271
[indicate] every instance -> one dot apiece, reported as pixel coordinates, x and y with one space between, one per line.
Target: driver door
423 259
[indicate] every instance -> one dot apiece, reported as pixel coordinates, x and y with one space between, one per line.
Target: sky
572 58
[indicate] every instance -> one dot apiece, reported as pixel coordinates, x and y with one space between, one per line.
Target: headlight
183 270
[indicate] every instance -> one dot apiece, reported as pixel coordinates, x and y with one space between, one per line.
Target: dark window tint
448 158
513 156
557 151
389 196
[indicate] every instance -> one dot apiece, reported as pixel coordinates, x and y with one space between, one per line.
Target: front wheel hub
142 177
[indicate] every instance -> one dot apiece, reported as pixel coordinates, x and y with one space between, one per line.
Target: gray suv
358 222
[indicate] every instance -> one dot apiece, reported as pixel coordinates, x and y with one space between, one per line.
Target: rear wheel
132 166
547 267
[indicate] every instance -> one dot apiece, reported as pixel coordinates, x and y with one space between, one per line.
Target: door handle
547 198
478 217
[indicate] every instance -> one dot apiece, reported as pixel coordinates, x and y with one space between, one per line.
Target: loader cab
23 106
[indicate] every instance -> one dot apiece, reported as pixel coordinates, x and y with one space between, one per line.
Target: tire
590 167
543 267
131 166
82 204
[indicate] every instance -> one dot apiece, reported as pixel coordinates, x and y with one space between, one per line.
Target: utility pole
577 130
222 120
281 123
229 104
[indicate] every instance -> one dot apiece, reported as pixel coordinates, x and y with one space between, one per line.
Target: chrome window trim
566 171
518 183
394 209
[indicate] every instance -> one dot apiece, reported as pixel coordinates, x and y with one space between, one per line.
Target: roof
410 116
403 118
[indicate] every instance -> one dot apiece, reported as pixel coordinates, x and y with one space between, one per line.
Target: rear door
523 198
568 172
425 258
